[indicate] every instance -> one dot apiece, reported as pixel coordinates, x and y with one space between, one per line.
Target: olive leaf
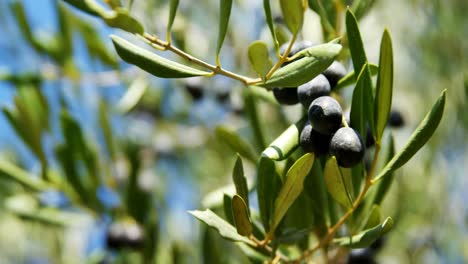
367 237
268 185
284 145
235 142
269 20
356 46
152 63
240 212
16 174
383 92
259 58
225 12
314 60
362 107
419 137
292 188
224 229
227 208
361 7
132 96
350 78
338 182
240 181
293 14
173 4
384 185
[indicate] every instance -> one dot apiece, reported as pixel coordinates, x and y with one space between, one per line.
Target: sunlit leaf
132 96
269 20
224 14
419 137
240 213
338 182
356 46
173 4
14 173
152 63
367 237
383 92
224 229
286 143
314 61
293 14
259 58
292 188
121 19
351 78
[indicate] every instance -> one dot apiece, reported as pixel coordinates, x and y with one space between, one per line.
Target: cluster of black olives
324 132
366 255
125 234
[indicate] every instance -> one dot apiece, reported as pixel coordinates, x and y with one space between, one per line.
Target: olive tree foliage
310 205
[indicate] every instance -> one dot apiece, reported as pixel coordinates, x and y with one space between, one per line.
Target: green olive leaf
312 62
224 14
240 212
293 14
268 185
240 181
235 142
362 107
224 229
89 6
361 7
120 18
152 63
284 145
227 208
419 137
374 218
384 185
132 96
356 46
383 93
338 182
269 20
16 174
350 78
173 4
367 237
259 58
292 188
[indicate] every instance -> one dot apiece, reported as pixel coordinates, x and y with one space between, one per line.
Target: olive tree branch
164 45
282 58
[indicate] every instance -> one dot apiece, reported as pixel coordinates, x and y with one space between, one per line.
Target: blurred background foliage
118 145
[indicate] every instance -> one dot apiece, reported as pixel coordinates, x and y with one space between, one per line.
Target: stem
332 231
260 244
283 58
216 69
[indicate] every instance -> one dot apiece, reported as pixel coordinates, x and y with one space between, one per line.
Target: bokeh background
183 160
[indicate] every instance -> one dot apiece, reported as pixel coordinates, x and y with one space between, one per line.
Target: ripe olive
347 146
287 96
325 115
312 141
313 89
395 119
361 256
194 87
334 73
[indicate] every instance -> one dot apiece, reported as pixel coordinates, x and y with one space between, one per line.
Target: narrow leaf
284 145
227 208
240 181
224 229
317 191
362 110
384 185
351 78
419 137
367 237
356 46
235 142
338 182
314 61
267 188
12 172
122 19
293 14
132 96
292 188
374 218
173 4
225 13
383 93
241 216
361 7
269 20
259 58
152 63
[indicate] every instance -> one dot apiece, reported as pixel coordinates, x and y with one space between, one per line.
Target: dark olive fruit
313 89
124 235
395 119
194 87
361 256
334 73
287 96
370 141
325 115
347 146
378 244
312 141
